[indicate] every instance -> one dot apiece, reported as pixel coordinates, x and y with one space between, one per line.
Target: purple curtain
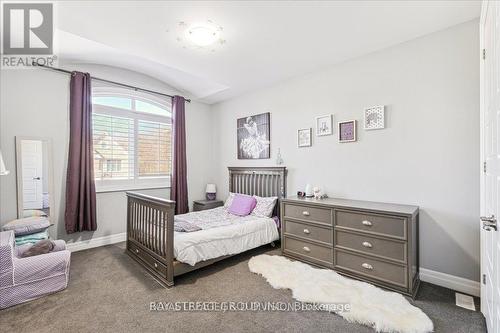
178 187
80 214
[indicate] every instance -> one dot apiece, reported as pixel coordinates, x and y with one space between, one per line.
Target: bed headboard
261 181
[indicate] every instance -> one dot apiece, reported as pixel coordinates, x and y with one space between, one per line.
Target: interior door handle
489 222
491 218
36 178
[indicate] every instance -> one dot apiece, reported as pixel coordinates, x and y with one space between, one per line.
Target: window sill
125 188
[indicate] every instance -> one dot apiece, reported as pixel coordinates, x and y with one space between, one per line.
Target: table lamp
211 191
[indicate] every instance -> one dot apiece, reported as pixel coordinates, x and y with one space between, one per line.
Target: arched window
132 139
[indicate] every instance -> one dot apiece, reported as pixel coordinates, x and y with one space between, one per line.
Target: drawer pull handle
156 265
367 244
367 266
306 249
136 251
305 213
367 223
306 231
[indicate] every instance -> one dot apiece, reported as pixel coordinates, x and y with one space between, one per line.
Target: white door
32 166
490 151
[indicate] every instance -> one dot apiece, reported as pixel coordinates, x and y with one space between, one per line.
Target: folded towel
33 238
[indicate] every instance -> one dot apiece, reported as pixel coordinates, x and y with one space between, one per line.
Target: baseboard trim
441 279
451 281
96 242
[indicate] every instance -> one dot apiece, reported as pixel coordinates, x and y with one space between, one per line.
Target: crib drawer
145 257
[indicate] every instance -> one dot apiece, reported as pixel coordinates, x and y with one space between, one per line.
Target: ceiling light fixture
202 35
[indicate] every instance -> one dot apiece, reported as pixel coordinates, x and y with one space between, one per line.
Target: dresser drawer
379 224
390 249
308 251
308 213
308 231
148 259
372 268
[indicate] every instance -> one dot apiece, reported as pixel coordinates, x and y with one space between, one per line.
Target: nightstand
206 204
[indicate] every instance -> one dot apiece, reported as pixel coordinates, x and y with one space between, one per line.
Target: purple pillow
242 205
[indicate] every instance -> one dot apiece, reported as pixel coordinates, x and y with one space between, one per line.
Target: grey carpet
109 292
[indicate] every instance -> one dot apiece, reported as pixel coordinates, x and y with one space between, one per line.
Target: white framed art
304 137
374 117
324 125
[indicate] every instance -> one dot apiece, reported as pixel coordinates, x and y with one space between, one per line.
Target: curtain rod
108 81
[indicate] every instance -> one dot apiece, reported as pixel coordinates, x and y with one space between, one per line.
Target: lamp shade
211 188
3 171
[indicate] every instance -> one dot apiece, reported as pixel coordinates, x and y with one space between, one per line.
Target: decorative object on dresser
211 192
347 131
374 117
309 191
206 204
324 125
253 134
304 137
370 241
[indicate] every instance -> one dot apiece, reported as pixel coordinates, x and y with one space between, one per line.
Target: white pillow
265 206
229 200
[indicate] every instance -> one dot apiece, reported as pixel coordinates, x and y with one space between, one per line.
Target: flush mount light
200 35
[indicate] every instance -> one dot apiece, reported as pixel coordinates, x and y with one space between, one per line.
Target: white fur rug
383 310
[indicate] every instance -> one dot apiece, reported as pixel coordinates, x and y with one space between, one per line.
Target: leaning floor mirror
35 190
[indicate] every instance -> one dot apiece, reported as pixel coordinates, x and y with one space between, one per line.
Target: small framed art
347 131
304 137
324 125
374 117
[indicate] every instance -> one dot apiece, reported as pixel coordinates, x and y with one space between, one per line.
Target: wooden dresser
370 241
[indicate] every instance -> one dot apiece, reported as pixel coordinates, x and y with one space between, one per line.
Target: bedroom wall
35 103
428 155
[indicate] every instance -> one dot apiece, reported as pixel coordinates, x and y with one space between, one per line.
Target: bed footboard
150 235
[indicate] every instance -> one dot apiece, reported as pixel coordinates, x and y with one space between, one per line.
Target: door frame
482 184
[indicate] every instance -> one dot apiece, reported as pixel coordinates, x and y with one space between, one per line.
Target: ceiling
266 42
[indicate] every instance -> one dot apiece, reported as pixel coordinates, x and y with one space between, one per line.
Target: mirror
35 189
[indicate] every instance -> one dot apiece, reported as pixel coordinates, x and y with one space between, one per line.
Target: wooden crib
150 221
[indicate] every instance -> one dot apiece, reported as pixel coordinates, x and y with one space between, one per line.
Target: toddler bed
166 253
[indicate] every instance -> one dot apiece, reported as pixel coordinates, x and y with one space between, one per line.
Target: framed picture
347 131
324 125
304 137
253 136
374 117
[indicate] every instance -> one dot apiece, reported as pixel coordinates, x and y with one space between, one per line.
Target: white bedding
241 235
